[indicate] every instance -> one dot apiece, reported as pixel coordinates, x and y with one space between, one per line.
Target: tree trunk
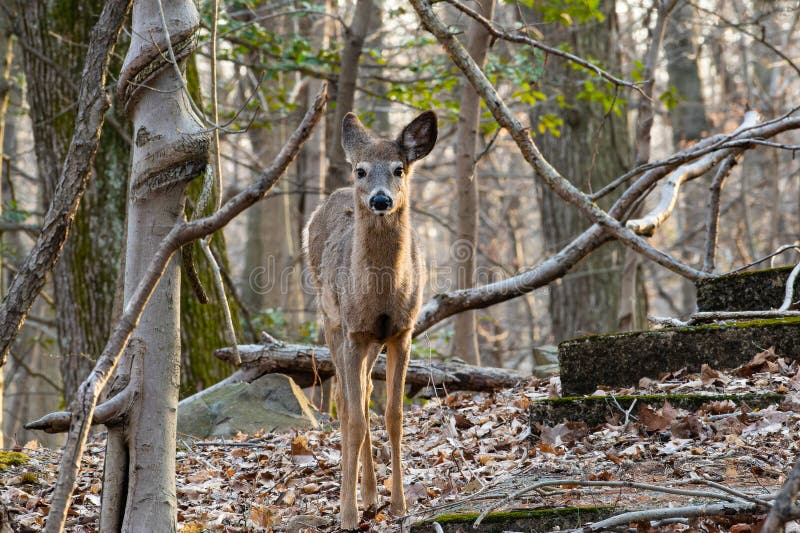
588 151
6 54
170 149
85 277
465 339
339 170
689 123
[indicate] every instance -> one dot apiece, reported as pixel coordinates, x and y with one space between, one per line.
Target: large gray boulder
273 402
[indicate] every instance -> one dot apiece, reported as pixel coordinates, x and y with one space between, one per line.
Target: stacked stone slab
621 360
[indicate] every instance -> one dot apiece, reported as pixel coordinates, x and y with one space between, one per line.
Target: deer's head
382 168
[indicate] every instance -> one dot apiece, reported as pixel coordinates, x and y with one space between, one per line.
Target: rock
272 402
759 290
620 360
298 523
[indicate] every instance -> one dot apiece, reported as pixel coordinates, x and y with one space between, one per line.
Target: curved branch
560 185
669 192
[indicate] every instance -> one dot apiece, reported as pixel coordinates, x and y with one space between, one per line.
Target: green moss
9 459
29 478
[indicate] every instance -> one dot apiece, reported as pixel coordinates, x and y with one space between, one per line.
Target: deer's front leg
398 352
353 377
369 482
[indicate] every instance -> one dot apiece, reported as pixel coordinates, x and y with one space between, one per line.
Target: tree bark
465 338
170 149
339 169
6 55
85 277
688 120
588 149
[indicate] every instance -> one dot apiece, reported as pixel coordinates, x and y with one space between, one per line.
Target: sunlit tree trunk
465 339
339 170
170 149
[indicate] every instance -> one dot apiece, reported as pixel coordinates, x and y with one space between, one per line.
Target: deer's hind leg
398 352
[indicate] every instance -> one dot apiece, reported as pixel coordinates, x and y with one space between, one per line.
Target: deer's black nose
380 202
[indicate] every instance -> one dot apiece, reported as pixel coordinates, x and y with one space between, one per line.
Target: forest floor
467 451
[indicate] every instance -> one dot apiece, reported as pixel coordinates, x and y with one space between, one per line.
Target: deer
369 274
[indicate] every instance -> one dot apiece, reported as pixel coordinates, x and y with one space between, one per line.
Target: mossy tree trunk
6 53
54 34
588 151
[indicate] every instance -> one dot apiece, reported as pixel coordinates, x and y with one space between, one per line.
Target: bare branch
787 300
783 508
525 39
584 483
669 192
713 211
562 187
670 512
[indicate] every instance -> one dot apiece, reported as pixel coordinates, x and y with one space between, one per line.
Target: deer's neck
382 241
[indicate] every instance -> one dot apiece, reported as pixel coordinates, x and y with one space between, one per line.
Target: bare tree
170 149
465 338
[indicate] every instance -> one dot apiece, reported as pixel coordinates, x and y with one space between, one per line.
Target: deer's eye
398 171
361 173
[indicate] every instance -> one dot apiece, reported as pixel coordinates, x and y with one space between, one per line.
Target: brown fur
370 277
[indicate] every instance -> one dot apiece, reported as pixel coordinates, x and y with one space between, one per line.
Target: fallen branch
689 511
706 316
182 233
307 364
585 483
783 508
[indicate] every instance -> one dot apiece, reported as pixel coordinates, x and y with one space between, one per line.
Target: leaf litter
466 451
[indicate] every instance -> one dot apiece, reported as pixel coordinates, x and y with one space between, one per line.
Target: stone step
620 360
759 290
548 519
596 410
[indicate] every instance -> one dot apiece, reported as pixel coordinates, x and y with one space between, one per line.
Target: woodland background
719 58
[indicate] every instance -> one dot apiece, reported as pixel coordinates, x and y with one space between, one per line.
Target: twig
739 494
524 39
783 508
787 299
671 512
712 213
779 251
584 483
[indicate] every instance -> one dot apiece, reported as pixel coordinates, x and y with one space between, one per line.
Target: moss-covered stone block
595 410
758 290
620 360
528 520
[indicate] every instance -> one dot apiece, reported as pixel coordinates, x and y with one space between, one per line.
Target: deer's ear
418 138
354 134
